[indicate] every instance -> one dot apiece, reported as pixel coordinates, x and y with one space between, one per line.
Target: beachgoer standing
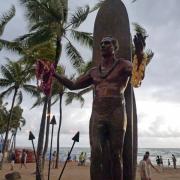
85 157
23 158
12 159
144 168
158 160
149 165
81 159
169 163
174 161
54 159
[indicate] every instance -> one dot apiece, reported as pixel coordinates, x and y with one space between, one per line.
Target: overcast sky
157 99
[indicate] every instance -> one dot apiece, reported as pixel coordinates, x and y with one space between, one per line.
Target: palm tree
48 23
15 77
18 121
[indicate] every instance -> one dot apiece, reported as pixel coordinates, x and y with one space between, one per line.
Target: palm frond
55 99
86 67
5 82
7 92
79 16
5 18
83 37
6 73
40 101
33 90
74 96
86 90
50 11
74 56
38 37
12 46
97 5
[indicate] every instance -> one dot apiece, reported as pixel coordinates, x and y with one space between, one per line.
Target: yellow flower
138 72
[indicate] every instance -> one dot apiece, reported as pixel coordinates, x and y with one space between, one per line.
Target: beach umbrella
75 139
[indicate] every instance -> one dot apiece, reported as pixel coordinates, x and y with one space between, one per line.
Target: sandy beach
75 172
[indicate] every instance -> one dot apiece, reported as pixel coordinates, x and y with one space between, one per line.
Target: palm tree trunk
8 126
11 141
41 141
15 139
59 128
58 49
47 133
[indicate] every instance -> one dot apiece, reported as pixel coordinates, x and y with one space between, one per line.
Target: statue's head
109 45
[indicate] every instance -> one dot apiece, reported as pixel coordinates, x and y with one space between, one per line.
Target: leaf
71 96
7 92
5 72
33 90
40 101
97 6
74 55
79 16
5 18
13 46
83 37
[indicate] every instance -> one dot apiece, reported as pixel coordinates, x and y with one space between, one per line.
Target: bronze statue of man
108 119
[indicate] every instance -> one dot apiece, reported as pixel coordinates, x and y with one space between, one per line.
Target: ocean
166 154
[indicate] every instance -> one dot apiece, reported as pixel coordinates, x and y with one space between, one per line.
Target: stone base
13 176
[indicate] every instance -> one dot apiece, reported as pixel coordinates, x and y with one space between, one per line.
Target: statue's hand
139 43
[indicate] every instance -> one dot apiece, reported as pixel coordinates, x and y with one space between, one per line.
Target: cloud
158 97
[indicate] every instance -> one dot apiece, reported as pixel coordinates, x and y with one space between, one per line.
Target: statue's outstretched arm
82 82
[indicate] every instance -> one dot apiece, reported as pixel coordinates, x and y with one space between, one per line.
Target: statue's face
106 46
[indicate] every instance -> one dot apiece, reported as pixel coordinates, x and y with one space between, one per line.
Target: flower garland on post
44 74
138 70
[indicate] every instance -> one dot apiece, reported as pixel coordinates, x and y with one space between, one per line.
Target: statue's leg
103 129
117 132
96 158
116 149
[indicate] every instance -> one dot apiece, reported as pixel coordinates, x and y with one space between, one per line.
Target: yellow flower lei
138 72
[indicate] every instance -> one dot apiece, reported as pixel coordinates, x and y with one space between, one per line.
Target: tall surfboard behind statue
112 19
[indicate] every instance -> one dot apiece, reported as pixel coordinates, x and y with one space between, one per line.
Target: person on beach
144 168
169 163
158 161
54 159
81 159
12 159
84 158
174 161
149 165
23 158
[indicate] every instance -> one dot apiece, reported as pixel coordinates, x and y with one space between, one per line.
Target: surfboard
112 19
